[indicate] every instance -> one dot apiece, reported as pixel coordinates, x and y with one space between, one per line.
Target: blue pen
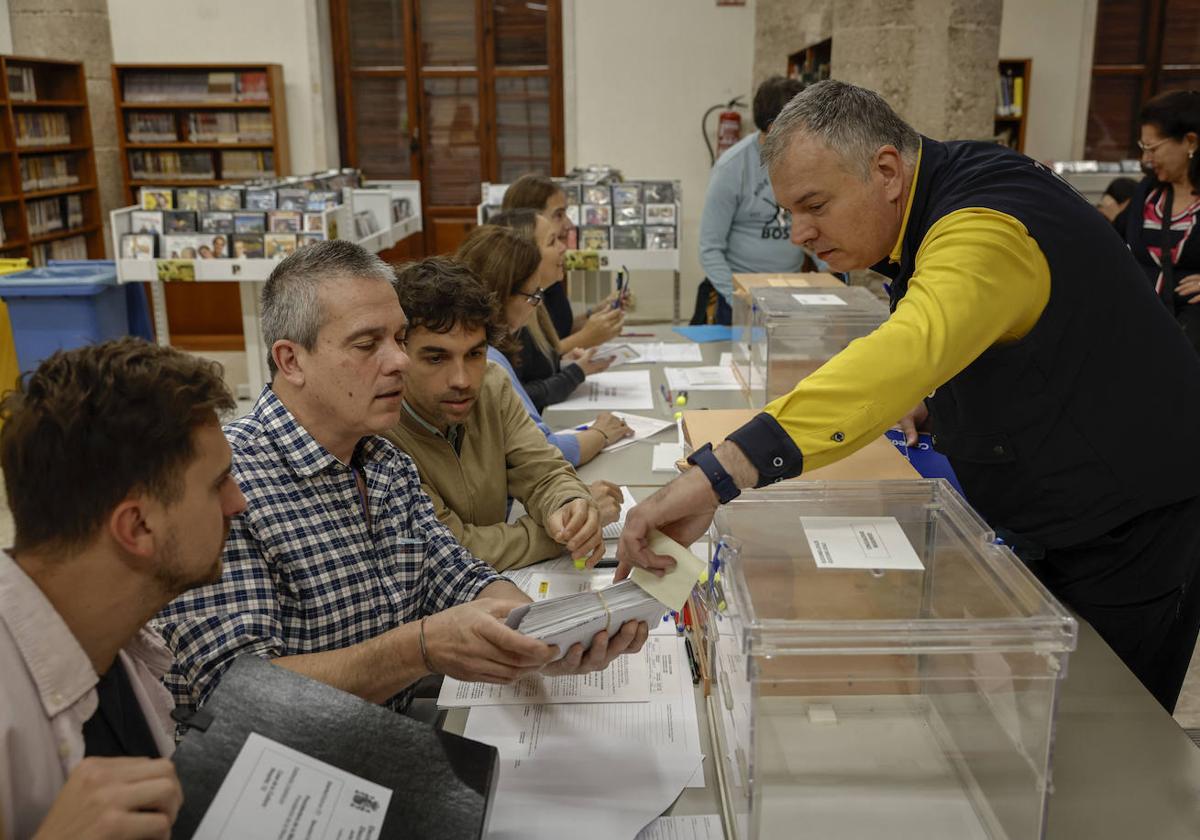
582 428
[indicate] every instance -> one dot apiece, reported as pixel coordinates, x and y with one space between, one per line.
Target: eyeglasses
534 298
1150 147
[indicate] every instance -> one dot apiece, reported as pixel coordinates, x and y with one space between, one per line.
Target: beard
172 573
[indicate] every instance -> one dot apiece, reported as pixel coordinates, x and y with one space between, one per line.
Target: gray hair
291 307
850 120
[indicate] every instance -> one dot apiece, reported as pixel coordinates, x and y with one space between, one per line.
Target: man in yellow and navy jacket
1023 326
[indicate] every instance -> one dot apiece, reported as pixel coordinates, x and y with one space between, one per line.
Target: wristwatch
721 481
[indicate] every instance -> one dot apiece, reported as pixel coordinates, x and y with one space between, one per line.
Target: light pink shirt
47 693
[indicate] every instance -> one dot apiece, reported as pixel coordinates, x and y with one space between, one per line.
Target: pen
637 335
666 393
691 654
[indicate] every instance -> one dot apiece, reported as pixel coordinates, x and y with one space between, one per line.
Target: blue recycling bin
63 306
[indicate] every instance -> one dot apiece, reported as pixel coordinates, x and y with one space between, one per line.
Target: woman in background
596 326
507 263
549 371
1161 225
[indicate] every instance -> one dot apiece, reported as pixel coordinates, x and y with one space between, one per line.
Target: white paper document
726 360
699 827
619 352
610 390
819 300
703 378
859 542
276 791
665 456
625 680
643 427
650 352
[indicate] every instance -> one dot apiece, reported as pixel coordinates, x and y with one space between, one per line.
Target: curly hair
440 294
92 425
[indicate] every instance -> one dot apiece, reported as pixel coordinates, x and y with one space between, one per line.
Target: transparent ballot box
781 335
881 668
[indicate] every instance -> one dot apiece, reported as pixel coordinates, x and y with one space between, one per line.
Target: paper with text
610 390
625 680
613 529
698 827
859 542
275 791
819 300
703 378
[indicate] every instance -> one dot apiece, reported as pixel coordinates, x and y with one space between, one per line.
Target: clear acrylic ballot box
781 335
881 668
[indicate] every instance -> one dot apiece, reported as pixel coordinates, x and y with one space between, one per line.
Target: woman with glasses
1161 227
508 264
594 327
549 371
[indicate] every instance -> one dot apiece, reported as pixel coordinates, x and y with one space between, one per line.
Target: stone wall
782 27
78 30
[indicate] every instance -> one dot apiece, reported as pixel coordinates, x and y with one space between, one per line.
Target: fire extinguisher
729 127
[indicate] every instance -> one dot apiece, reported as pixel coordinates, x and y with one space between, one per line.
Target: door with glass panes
453 93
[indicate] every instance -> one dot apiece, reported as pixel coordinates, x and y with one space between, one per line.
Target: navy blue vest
1093 417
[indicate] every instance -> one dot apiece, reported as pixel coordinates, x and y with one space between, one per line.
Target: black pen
692 661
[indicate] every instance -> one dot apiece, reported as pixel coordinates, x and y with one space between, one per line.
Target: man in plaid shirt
338 568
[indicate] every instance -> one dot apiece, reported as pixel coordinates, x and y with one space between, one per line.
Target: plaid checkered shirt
303 573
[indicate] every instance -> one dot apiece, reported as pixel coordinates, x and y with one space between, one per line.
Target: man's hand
576 525
608 498
115 799
602 651
1189 285
470 642
917 421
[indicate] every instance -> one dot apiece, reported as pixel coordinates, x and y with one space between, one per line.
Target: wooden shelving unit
60 87
274 105
1012 126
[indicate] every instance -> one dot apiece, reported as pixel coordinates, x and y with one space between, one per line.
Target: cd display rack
49 204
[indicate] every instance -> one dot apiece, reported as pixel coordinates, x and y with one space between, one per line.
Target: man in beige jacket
471 436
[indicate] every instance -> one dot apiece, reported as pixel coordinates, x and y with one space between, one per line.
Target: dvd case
660 238
216 221
146 221
626 195
628 215
628 238
138 246
658 192
596 194
250 221
593 238
248 246
179 221
660 214
279 245
597 214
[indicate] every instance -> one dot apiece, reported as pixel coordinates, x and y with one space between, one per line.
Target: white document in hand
576 619
276 791
665 456
613 529
673 588
697 827
625 680
610 390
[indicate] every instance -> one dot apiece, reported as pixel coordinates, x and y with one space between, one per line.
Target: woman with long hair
507 263
603 322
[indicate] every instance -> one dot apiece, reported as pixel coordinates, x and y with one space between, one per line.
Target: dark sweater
546 380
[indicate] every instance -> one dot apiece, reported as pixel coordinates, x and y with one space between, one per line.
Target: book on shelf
246 164
229 127
42 128
48 215
71 248
48 172
22 86
150 166
151 127
194 86
1010 94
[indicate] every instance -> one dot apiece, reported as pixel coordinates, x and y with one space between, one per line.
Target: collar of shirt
898 248
454 436
59 665
297 448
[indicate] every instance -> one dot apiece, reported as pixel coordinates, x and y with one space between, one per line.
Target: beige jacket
502 454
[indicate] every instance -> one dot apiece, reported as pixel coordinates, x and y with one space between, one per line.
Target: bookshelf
49 203
1012 102
200 117
811 64
200 125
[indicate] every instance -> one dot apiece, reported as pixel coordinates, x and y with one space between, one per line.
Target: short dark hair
1121 189
1176 113
770 98
94 424
440 294
529 192
291 307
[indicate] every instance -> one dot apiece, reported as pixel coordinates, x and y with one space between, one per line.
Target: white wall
1058 37
292 33
637 78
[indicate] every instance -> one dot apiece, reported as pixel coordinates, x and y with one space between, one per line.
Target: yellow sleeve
980 279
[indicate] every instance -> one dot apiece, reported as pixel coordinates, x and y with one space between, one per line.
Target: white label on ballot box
819 300
276 791
859 542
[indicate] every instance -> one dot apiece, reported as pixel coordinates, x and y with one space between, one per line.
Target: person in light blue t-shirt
743 230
